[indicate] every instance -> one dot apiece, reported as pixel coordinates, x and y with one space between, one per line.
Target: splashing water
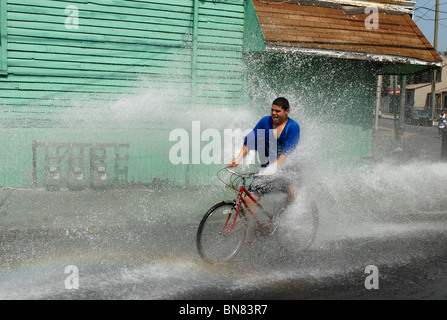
356 201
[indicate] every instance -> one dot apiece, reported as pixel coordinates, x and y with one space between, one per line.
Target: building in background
418 92
79 80
421 92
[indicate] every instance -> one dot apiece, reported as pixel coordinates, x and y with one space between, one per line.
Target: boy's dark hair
282 102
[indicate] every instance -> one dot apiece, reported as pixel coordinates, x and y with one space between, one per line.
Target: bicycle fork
239 200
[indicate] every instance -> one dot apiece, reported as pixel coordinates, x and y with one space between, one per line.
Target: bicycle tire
214 243
298 234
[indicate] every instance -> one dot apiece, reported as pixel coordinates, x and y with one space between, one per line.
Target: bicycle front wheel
221 233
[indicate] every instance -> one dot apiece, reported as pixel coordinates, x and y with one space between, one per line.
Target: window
3 38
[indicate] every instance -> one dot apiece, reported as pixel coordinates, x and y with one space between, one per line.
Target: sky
424 16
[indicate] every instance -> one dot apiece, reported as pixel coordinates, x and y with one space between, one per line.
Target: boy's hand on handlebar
233 163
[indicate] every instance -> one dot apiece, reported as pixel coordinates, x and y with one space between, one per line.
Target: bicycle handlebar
251 174
232 182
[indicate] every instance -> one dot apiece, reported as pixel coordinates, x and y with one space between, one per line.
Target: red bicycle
223 229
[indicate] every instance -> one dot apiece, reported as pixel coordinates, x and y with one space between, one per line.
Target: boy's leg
292 192
251 221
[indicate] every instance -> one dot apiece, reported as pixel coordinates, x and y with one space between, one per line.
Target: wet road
159 261
418 142
140 244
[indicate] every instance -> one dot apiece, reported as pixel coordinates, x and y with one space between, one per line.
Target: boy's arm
292 140
249 142
238 159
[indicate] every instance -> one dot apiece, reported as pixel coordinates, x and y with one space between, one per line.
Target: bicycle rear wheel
221 234
296 232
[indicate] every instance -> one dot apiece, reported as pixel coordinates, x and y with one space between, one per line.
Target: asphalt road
416 143
160 262
129 245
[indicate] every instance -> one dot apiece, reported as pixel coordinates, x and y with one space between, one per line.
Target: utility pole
394 102
403 100
378 101
435 75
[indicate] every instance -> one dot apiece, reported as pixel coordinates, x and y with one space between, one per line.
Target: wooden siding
220 65
3 38
133 71
312 27
117 43
113 44
120 50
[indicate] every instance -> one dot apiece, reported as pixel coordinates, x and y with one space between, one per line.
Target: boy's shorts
262 185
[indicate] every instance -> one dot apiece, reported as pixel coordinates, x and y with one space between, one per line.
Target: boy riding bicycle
274 137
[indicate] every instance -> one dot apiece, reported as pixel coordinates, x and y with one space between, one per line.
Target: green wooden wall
98 71
116 43
132 71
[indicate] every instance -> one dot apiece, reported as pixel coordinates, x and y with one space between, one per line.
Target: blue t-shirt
262 138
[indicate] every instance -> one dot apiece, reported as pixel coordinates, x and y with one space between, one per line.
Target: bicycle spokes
221 233
298 230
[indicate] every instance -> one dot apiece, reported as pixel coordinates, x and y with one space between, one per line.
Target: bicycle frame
240 199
